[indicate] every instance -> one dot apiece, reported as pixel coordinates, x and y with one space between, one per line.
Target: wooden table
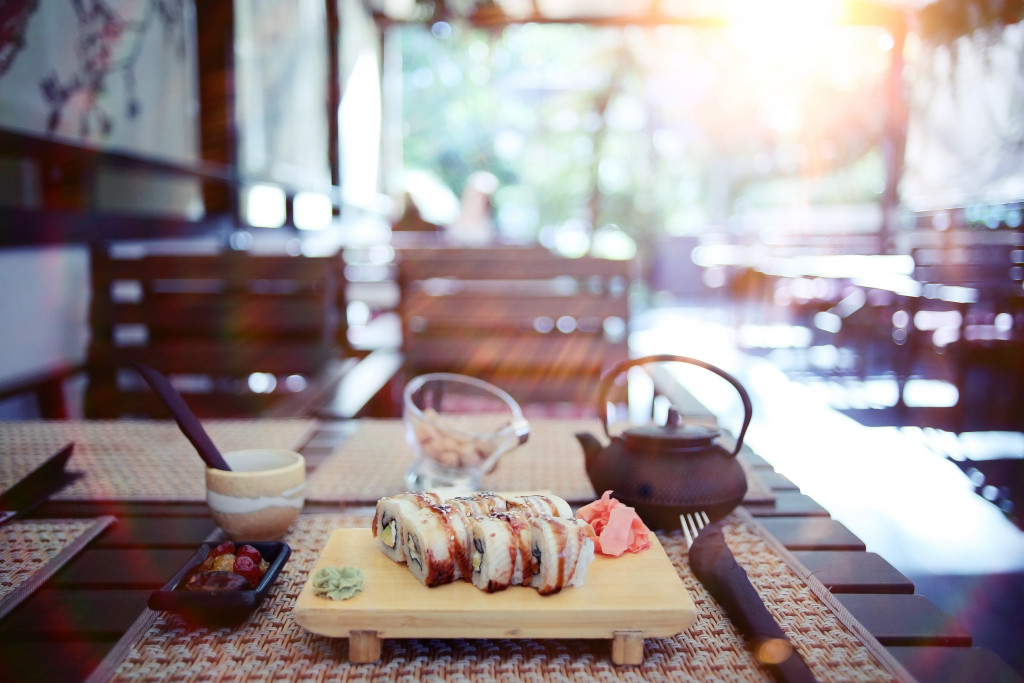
66 627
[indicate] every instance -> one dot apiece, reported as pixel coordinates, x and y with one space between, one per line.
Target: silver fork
693 523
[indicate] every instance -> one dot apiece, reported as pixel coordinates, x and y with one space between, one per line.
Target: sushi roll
500 552
562 551
483 503
435 545
387 520
539 505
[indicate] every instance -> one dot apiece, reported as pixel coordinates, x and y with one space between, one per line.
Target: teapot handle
609 377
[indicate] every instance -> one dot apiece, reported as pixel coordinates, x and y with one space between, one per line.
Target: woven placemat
31 551
271 646
373 462
144 460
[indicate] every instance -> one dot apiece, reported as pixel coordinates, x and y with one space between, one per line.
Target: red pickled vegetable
251 552
225 548
617 526
244 566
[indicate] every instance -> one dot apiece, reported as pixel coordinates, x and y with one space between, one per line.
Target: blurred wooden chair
540 326
238 334
967 325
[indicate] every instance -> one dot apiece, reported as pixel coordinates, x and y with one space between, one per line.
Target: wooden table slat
788 504
164 532
74 615
854 572
905 620
122 567
935 664
812 533
774 480
51 662
60 508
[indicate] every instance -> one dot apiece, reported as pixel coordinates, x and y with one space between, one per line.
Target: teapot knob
673 414
673 419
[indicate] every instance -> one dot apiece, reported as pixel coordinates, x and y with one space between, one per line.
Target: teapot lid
672 434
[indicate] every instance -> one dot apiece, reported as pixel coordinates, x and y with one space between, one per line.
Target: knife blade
715 566
36 487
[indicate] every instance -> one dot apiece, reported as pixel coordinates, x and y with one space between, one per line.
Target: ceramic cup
262 494
457 428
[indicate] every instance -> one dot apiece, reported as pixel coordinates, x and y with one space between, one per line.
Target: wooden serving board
625 599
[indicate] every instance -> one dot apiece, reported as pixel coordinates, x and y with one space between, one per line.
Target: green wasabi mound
338 583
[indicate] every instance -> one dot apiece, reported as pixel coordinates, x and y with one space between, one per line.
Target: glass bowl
458 427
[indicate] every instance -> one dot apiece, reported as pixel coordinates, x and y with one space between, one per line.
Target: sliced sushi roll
500 552
538 505
435 545
483 503
387 520
562 551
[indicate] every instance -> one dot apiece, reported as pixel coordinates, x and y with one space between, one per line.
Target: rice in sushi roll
562 551
436 540
500 551
540 505
387 520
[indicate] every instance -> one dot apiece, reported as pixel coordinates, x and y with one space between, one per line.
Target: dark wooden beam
218 134
333 90
21 227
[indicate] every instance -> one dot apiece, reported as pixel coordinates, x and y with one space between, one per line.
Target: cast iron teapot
667 470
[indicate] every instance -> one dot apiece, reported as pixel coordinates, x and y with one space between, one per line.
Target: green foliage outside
659 131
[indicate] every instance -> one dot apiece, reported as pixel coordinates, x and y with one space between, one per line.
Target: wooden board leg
363 647
628 647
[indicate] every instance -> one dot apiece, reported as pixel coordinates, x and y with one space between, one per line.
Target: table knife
715 566
35 489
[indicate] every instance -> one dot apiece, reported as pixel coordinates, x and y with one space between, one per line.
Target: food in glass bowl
457 441
457 428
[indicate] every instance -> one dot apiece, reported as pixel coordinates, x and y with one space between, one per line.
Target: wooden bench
540 326
239 334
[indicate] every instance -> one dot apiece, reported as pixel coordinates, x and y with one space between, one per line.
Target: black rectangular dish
221 607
